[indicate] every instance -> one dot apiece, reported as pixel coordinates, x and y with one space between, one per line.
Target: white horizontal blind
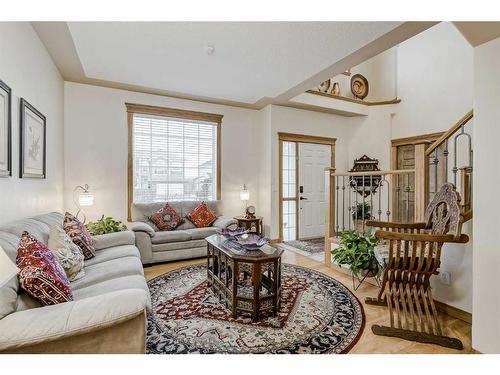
173 159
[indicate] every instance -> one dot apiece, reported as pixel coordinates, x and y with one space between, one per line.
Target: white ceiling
251 60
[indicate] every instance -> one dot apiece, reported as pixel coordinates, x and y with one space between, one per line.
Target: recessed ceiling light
210 49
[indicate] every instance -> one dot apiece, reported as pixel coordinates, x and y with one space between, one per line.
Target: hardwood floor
368 343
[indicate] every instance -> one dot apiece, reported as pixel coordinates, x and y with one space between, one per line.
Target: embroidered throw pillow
202 216
69 255
79 235
40 274
166 218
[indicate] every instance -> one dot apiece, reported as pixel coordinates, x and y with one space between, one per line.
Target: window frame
167 112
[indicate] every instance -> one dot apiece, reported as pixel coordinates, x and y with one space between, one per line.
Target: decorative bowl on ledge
252 241
231 233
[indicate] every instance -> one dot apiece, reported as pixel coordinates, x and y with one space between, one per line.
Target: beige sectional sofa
108 314
185 242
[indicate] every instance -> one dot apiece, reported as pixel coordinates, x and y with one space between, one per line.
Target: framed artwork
33 142
5 130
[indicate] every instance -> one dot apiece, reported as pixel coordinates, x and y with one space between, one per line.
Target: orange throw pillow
202 216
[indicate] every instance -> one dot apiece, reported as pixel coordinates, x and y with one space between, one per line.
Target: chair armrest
386 235
140 226
49 323
103 241
223 222
388 224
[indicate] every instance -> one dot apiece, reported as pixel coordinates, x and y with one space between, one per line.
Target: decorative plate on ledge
359 86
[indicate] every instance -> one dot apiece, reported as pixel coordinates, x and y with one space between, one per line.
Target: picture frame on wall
5 130
33 148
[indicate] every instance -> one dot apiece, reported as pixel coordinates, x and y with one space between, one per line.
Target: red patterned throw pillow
202 216
166 218
40 273
79 235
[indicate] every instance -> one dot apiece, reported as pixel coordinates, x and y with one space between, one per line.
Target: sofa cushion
171 236
69 256
202 216
111 253
8 297
178 245
104 241
120 283
201 233
166 218
40 273
111 269
36 228
79 235
142 211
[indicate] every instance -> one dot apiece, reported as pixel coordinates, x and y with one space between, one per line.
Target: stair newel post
330 213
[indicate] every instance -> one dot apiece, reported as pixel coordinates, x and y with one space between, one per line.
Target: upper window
175 154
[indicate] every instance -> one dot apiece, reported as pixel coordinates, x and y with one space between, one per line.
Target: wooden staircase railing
462 175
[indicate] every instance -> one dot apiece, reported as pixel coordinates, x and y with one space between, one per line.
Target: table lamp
85 199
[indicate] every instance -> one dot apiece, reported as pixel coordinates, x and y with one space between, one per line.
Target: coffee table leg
256 280
236 273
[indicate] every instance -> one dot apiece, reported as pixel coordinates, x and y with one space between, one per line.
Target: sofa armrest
224 222
103 241
140 226
54 322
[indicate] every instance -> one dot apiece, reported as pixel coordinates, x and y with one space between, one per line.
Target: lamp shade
7 269
86 199
245 194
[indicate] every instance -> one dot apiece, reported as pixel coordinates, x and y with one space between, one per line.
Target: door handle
302 198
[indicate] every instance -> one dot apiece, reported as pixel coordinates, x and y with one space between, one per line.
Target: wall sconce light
85 199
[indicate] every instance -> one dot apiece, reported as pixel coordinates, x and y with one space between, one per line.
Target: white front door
313 159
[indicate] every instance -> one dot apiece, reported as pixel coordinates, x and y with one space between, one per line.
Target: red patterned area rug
318 314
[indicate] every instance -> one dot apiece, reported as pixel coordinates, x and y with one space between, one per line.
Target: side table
253 224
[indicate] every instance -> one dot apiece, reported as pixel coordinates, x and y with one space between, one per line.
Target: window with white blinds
173 159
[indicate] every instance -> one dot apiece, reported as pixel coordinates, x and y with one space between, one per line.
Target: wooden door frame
297 138
421 143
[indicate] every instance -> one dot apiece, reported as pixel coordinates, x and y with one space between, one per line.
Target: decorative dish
252 241
231 233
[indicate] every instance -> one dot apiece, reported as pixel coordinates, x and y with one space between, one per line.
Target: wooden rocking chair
411 254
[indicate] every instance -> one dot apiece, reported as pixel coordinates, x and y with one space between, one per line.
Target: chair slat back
443 215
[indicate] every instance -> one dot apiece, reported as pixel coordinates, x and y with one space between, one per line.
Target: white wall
96 146
380 71
486 324
435 81
28 69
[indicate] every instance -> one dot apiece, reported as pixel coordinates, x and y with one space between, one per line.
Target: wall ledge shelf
352 100
339 105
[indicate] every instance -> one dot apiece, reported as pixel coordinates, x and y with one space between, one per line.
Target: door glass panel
289 189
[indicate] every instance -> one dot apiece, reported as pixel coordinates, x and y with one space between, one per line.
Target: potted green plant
105 225
357 251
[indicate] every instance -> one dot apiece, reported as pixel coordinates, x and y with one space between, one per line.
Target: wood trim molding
352 100
173 112
454 312
292 137
418 139
167 112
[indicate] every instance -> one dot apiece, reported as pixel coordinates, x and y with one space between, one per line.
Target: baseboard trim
454 312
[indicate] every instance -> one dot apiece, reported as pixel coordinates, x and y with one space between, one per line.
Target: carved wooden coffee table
246 281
